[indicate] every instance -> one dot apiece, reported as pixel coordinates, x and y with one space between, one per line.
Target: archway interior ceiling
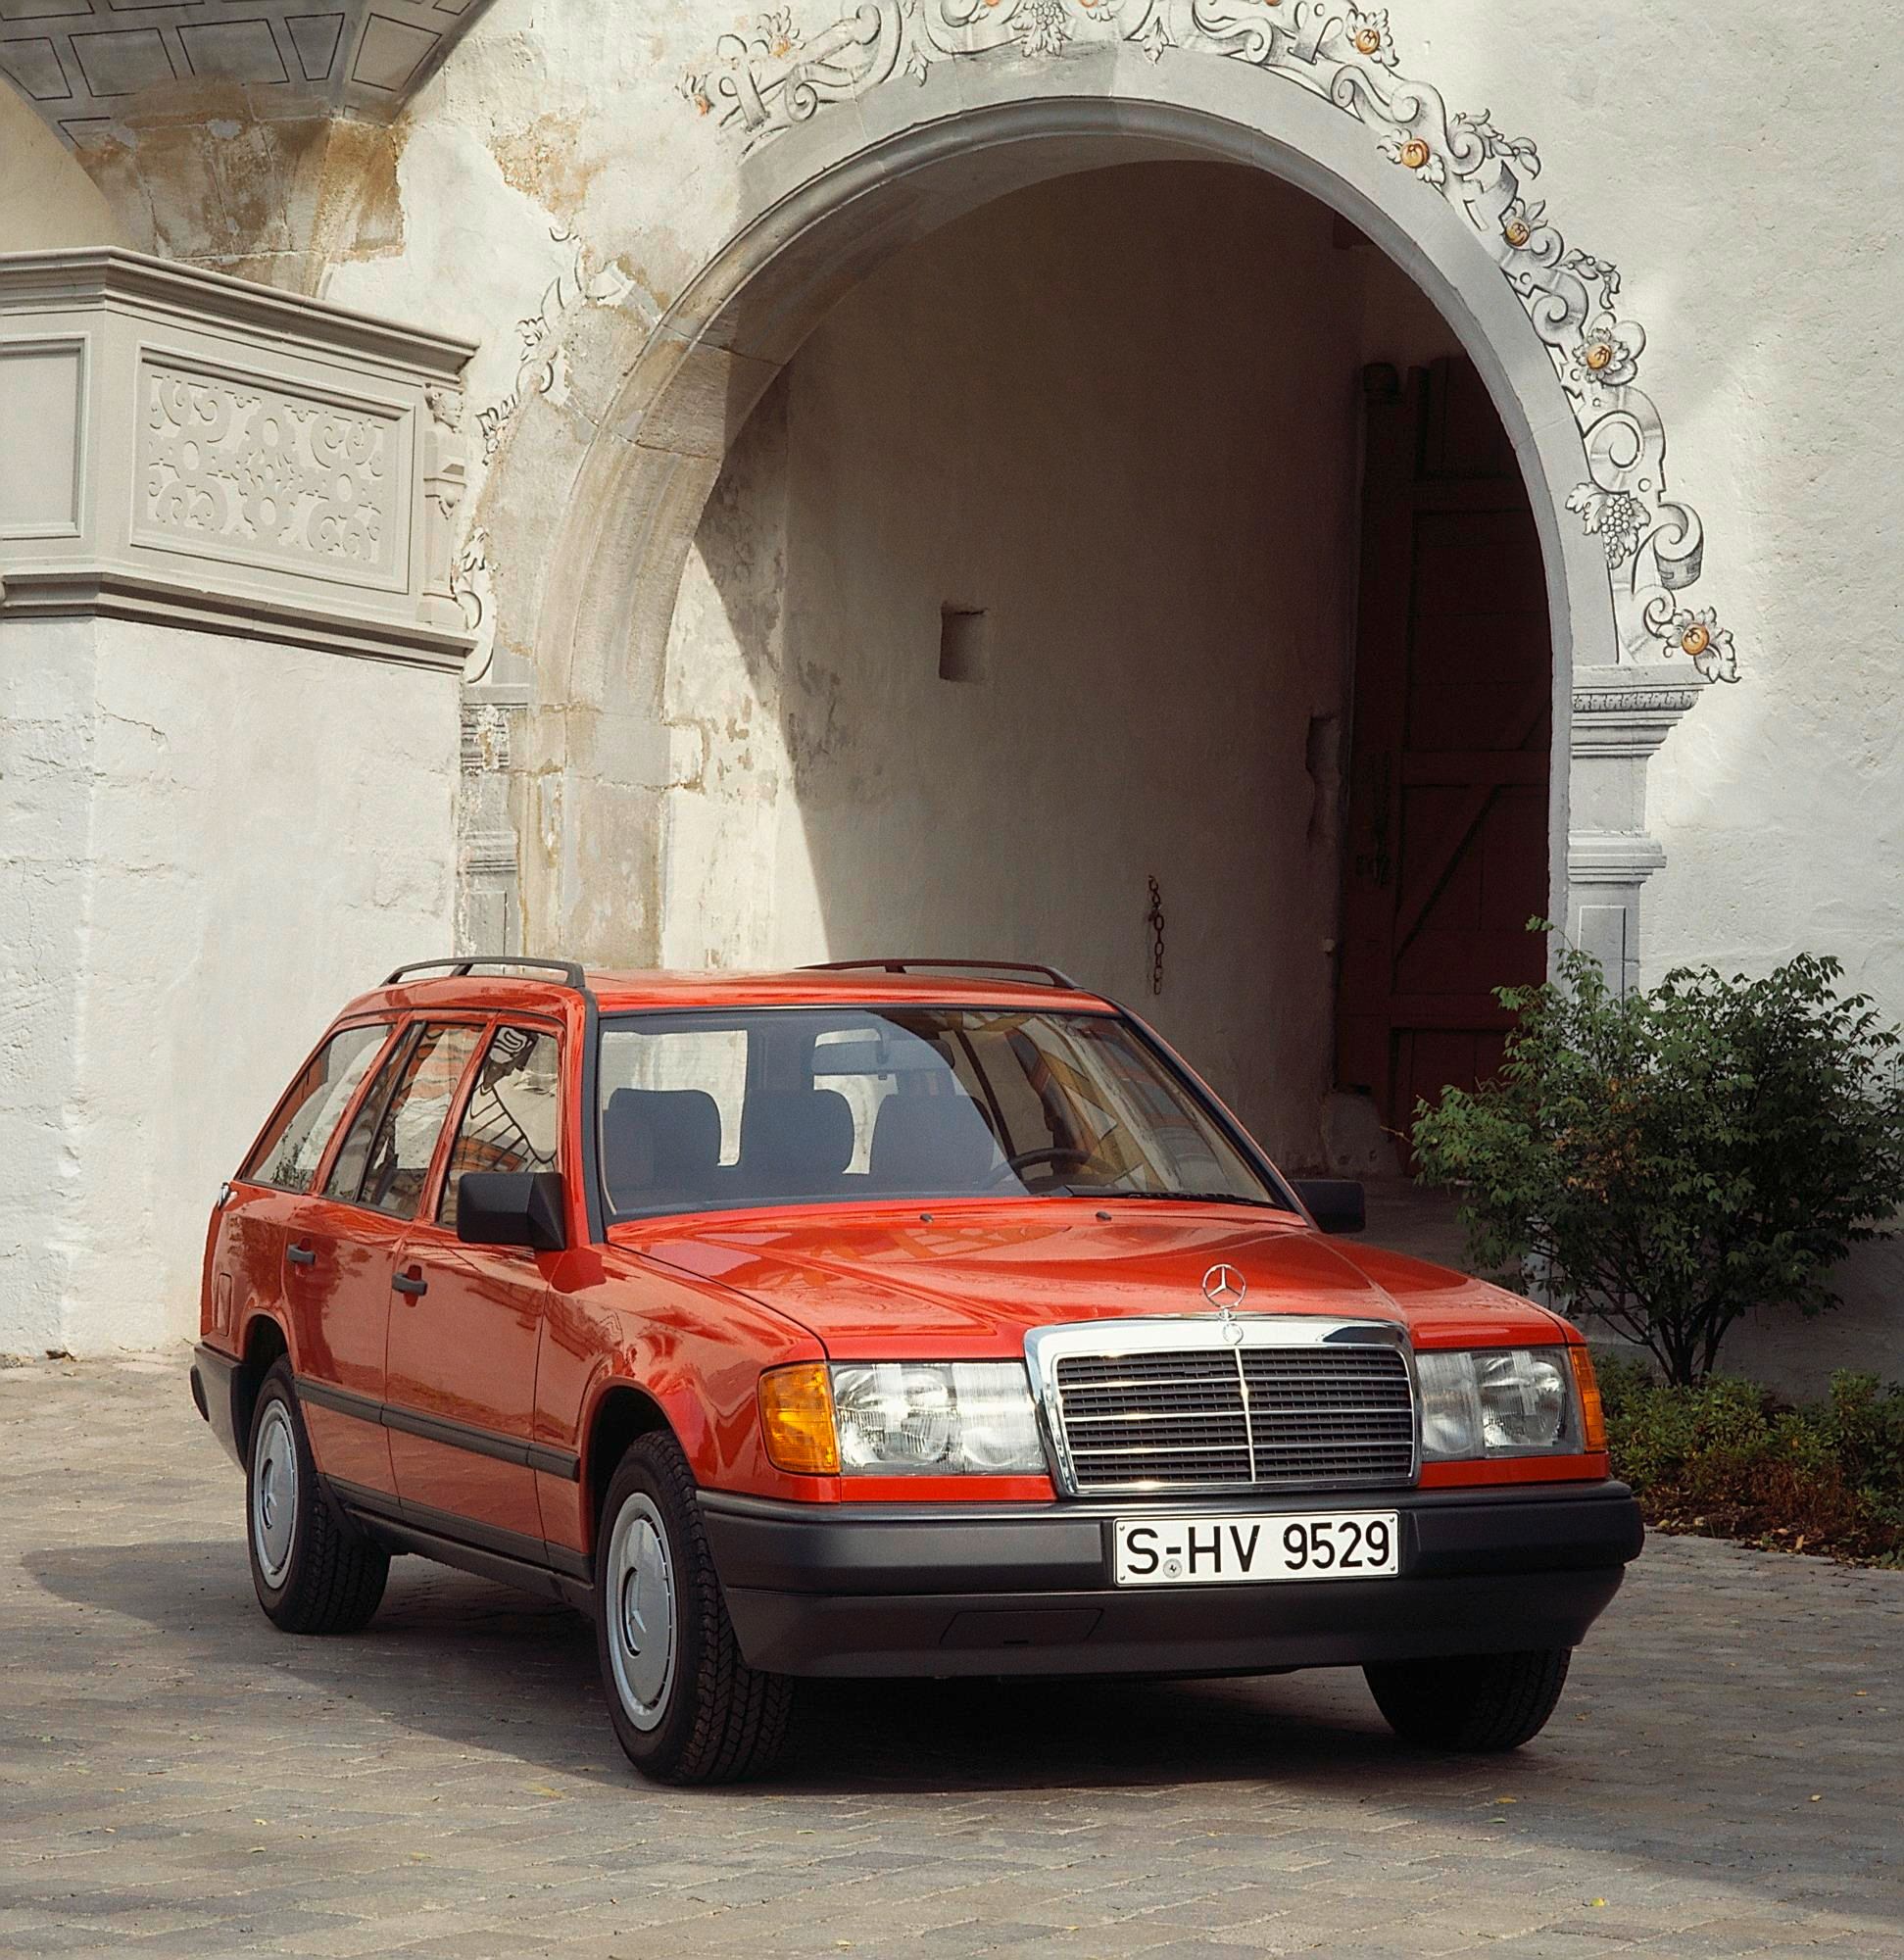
762 82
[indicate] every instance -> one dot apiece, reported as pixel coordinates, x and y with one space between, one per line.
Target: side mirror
511 1207
1336 1203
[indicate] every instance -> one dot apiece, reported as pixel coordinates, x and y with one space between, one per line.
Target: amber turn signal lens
1592 1417
796 1420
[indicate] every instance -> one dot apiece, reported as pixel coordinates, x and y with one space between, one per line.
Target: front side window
313 1106
837 1104
513 1115
386 1157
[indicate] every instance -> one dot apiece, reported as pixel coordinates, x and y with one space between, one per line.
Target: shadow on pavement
477 1664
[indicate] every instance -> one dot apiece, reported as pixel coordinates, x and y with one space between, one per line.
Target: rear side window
386 1157
513 1115
293 1147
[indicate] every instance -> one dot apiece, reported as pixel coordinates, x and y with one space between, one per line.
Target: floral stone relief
763 80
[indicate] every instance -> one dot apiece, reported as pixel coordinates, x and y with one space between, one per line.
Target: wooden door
1447 854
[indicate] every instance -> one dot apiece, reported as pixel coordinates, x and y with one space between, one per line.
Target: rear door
245 1274
341 1246
465 1321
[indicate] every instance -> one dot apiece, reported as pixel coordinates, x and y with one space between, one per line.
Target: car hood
972 1283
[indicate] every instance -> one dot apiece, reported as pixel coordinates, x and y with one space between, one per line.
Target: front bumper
918 1590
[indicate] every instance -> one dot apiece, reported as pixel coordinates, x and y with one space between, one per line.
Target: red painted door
1446 856
465 1321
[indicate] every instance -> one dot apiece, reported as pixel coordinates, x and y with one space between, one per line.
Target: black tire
325 1577
1478 1703
686 1709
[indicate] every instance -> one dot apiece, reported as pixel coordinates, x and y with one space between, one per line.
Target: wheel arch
260 1347
623 1413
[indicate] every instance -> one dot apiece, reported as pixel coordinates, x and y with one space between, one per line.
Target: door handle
411 1285
301 1255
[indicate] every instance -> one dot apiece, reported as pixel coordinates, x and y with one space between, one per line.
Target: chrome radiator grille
1197 1418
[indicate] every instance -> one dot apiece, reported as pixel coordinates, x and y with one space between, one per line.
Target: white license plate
1237 1550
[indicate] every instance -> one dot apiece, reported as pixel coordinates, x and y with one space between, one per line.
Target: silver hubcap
641 1612
274 1492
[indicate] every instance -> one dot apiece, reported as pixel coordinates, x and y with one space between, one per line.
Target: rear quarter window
313 1106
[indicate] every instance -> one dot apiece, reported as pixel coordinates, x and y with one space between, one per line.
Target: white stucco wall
207 845
1144 471
45 198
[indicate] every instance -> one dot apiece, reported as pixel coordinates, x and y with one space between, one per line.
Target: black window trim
1146 1037
439 1180
419 1018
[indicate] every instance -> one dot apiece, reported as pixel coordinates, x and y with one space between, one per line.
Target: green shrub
1672 1158
1726 1458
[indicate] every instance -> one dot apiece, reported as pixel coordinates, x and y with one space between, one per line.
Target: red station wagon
877 1321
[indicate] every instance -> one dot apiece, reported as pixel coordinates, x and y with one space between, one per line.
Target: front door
1447 858
341 1246
465 1321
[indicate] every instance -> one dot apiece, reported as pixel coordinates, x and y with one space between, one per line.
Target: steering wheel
1025 1159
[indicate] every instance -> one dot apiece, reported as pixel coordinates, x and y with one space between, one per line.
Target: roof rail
1048 974
463 964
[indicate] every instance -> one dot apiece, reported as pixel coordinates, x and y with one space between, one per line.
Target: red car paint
525 1348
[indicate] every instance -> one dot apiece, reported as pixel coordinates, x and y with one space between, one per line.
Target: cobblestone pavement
1723 1778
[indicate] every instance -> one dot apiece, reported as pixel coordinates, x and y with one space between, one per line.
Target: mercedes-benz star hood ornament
1224 1288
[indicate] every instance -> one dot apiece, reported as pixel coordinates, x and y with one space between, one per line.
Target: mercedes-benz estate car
893 1320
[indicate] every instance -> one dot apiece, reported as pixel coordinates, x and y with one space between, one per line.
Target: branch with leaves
1673 1158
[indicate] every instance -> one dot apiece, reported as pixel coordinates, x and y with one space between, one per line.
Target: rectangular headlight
936 1418
1497 1402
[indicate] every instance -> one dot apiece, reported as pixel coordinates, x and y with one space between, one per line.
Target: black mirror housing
507 1207
1337 1203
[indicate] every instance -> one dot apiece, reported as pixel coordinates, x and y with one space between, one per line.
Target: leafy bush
1726 1459
1674 1158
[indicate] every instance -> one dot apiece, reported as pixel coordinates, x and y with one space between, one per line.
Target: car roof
618 990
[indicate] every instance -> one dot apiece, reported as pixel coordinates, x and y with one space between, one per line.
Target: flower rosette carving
766 78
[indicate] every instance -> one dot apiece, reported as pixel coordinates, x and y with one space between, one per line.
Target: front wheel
1480 1703
315 1572
686 1707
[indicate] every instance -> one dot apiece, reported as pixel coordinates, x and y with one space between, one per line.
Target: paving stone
178 1777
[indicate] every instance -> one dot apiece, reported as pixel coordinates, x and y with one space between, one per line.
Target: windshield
717 1109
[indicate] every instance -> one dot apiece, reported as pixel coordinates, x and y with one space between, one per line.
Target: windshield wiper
1190 1198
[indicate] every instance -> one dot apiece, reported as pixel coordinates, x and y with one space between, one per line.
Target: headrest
803 1136
932 1144
659 1140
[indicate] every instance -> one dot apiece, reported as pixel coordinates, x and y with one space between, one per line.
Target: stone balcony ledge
193 449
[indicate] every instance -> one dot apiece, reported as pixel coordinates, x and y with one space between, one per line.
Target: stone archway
825 194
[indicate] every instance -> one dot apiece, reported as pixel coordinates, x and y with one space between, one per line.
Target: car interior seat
660 1148
935 1144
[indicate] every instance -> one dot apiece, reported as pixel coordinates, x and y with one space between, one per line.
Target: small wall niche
964 644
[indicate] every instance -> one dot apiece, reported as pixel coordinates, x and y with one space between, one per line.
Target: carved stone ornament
234 459
264 475
760 82
541 368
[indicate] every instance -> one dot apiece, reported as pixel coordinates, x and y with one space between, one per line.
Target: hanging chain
1153 918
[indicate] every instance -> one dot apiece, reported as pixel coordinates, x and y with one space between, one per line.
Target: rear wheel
686 1707
1479 1702
315 1572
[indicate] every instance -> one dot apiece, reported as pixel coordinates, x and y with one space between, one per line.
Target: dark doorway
1447 858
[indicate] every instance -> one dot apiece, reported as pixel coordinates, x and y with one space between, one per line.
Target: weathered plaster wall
46 199
207 845
1117 415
